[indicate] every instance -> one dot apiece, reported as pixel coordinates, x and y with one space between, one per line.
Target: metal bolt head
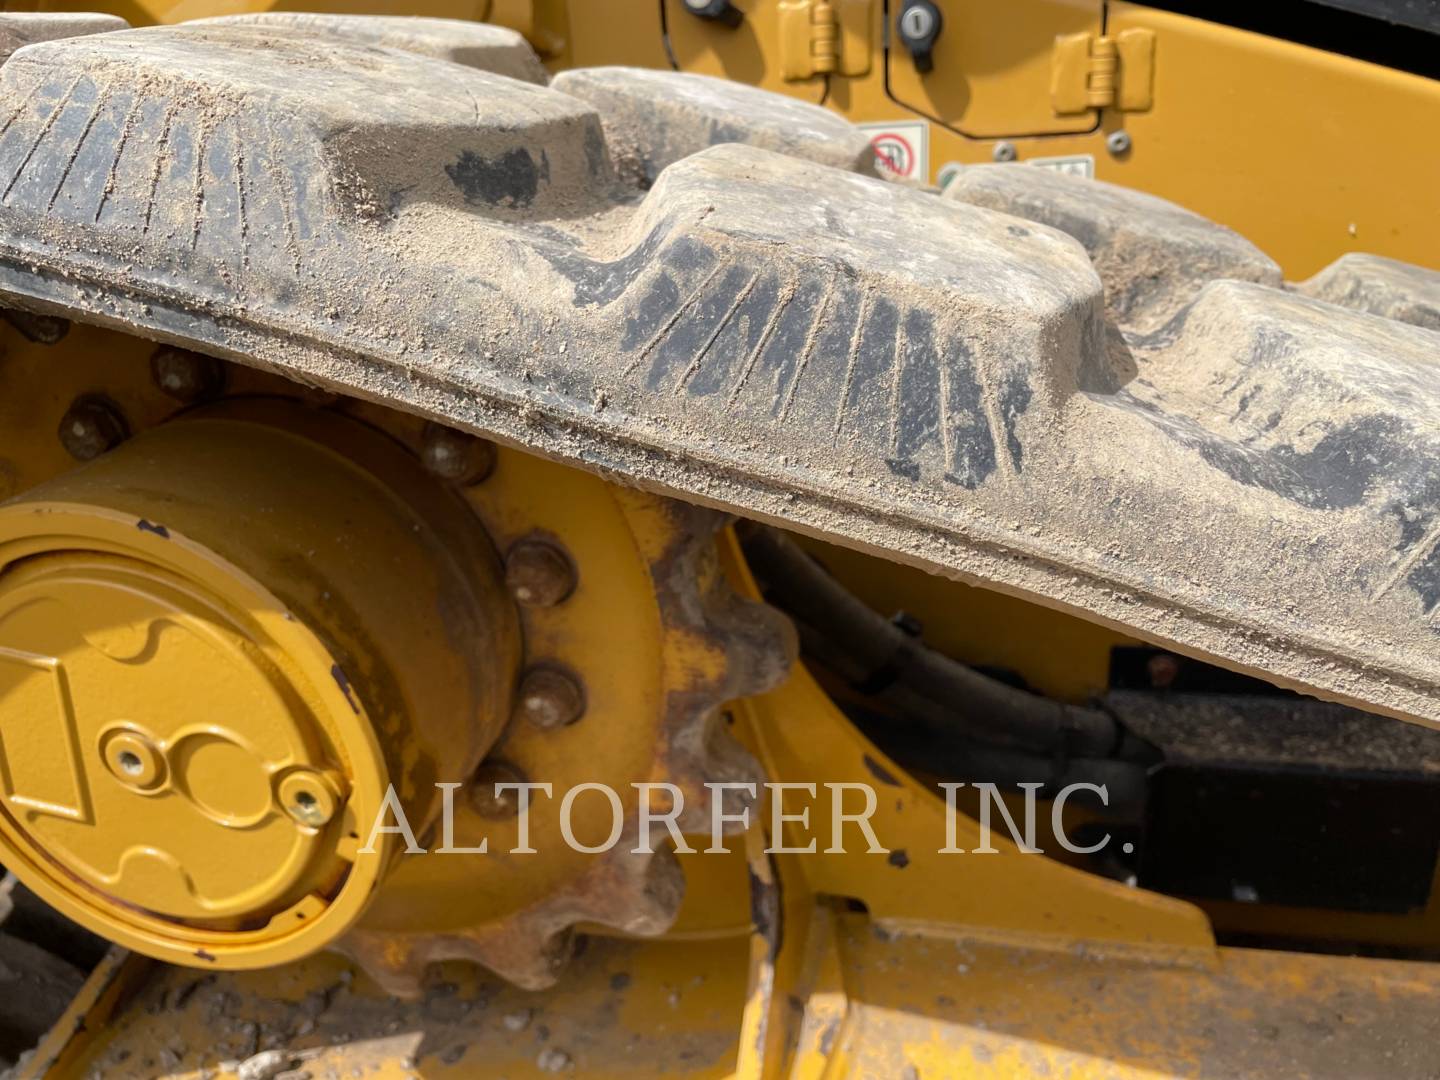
186 376
549 698
307 799
41 329
492 804
539 574
1163 669
1118 142
1004 151
91 426
134 760
455 456
306 810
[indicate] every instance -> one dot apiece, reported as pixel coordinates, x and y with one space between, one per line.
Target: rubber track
1236 469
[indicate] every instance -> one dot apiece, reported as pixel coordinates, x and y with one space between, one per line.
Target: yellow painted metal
885 1004
627 1010
543 22
992 69
754 53
1135 88
823 37
796 27
842 999
997 896
208 688
1090 72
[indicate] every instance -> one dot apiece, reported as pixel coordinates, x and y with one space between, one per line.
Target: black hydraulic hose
867 649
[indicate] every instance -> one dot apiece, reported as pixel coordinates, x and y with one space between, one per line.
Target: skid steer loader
692 538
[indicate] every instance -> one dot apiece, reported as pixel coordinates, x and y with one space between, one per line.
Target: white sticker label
1071 164
902 148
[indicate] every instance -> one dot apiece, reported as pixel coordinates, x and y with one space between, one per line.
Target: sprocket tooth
639 896
754 647
391 962
398 963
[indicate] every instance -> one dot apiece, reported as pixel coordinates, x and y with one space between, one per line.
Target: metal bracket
824 37
1090 71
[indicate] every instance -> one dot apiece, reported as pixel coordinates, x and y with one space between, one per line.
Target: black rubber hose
874 654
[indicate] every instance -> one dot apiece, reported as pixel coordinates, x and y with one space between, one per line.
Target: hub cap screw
186 376
487 801
539 574
456 456
549 698
307 799
91 426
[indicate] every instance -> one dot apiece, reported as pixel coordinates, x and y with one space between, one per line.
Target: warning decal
1072 164
902 148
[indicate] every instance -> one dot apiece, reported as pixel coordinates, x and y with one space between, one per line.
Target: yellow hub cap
220 644
164 760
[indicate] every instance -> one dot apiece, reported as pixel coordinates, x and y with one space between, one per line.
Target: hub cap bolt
487 801
1163 670
41 329
186 376
549 698
91 426
307 799
539 573
456 456
134 760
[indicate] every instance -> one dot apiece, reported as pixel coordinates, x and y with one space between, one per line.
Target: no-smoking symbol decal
894 153
901 148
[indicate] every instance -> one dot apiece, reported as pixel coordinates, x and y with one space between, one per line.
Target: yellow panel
992 67
750 53
1308 154
984 1012
628 34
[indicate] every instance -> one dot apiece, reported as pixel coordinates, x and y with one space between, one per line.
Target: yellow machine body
244 683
